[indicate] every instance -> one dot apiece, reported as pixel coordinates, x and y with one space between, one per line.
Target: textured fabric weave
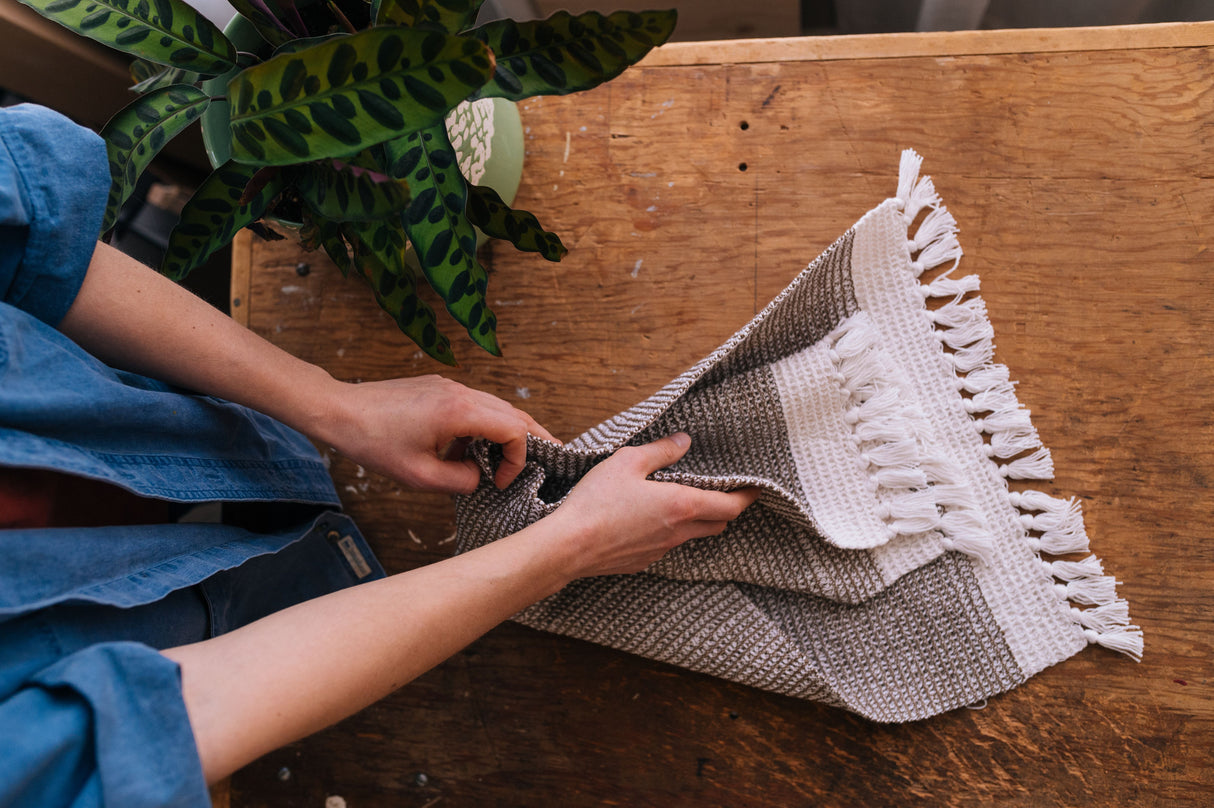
887 567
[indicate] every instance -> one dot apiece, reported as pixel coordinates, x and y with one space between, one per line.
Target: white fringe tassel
917 491
908 175
1051 526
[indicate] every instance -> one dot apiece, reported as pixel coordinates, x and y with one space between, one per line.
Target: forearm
133 318
305 668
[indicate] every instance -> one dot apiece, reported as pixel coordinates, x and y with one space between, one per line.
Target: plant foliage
340 119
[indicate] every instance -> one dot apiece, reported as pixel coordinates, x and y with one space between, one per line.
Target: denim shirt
90 712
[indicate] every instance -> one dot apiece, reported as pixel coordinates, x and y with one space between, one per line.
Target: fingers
662 452
509 430
721 506
535 428
447 476
483 415
514 459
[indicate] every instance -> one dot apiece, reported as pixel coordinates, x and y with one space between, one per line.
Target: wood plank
242 276
1081 181
933 43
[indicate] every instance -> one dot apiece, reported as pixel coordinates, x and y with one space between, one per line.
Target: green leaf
150 76
444 241
343 95
496 219
213 215
565 54
379 250
268 27
322 233
168 32
139 131
297 45
446 16
349 193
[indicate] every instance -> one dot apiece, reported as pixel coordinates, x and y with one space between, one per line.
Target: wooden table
690 191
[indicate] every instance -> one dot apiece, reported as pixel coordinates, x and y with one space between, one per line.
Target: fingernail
681 439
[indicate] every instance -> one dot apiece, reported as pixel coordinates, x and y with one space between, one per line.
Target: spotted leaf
379 258
150 76
139 131
350 193
269 27
343 95
215 213
447 16
444 241
564 53
327 235
297 45
168 32
496 219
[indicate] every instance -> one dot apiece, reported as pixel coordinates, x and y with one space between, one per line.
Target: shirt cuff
144 747
62 174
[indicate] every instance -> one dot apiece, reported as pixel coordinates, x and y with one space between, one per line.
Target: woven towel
887 568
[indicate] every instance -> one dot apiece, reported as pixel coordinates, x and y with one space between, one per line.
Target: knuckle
457 405
681 510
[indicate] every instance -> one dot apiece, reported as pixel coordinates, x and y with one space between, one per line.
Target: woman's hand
134 318
296 671
615 520
414 430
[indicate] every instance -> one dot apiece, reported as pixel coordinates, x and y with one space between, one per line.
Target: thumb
666 451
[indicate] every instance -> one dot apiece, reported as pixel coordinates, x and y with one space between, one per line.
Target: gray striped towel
888 568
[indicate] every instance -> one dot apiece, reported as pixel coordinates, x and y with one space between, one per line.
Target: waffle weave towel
888 568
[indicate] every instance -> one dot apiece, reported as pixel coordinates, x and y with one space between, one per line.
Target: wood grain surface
689 193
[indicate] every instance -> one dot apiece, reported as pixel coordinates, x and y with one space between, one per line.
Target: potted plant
338 124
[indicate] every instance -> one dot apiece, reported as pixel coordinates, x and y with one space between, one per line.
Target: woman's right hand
615 520
271 682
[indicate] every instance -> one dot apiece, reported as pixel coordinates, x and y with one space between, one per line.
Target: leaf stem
262 7
301 26
337 12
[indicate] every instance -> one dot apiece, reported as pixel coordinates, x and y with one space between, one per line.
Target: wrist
315 406
562 541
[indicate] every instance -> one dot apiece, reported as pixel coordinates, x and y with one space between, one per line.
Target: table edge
941 43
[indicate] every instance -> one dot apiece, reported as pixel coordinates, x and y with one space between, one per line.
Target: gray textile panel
926 644
490 514
750 441
780 551
730 406
888 658
706 627
737 424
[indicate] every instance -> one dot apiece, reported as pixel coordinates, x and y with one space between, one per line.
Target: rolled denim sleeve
54 180
104 726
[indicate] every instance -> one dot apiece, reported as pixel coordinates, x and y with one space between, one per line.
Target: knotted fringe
1051 526
917 491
